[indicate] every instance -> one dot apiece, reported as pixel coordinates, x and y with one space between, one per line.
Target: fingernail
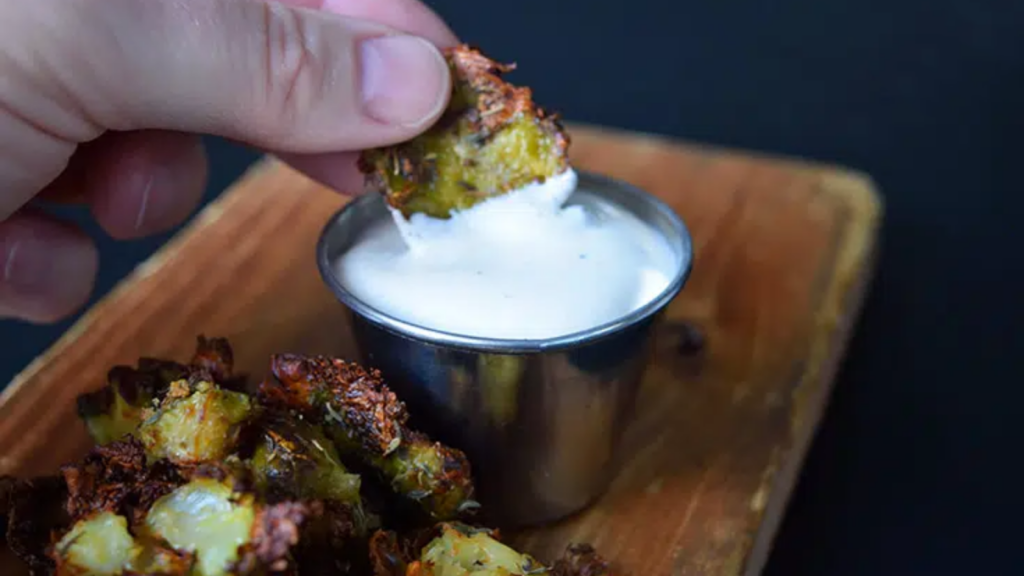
405 80
172 176
43 277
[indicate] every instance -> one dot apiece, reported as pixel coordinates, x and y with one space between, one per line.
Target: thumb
272 75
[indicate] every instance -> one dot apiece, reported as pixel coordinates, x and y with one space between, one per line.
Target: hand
101 101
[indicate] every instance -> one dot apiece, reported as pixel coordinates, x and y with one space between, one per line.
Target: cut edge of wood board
838 317
206 217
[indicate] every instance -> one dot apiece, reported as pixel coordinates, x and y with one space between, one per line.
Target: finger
146 182
138 183
71 186
409 16
281 77
336 171
277 77
68 188
30 155
47 268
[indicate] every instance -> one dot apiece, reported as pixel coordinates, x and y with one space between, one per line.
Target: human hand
101 102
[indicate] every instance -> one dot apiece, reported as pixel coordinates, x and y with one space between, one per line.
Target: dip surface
519 266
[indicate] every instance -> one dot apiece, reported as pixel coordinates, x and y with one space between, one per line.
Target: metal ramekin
539 419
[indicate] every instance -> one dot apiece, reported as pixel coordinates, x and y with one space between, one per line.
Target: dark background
911 472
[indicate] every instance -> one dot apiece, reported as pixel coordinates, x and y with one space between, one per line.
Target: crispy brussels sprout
295 460
455 550
276 531
331 542
116 410
492 139
191 478
108 416
116 478
35 511
196 422
366 421
341 392
433 475
227 530
102 545
207 518
155 558
127 516
203 528
214 355
462 550
213 360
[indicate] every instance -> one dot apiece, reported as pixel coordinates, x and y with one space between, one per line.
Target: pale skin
102 102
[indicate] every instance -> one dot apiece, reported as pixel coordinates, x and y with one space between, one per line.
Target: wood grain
783 252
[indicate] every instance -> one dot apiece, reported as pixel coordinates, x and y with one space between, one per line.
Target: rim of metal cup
505 345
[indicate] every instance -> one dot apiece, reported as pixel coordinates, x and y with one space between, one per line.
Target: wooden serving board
783 255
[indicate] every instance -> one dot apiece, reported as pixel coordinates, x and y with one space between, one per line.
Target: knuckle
42 72
293 69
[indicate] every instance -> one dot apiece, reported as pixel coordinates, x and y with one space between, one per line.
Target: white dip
517 266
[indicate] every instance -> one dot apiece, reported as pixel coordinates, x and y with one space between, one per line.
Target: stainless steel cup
539 419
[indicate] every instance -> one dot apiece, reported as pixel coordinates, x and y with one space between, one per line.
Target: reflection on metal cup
540 420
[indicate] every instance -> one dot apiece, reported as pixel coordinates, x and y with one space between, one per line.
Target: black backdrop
910 474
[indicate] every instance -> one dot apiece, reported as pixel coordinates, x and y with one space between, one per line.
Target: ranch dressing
518 266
